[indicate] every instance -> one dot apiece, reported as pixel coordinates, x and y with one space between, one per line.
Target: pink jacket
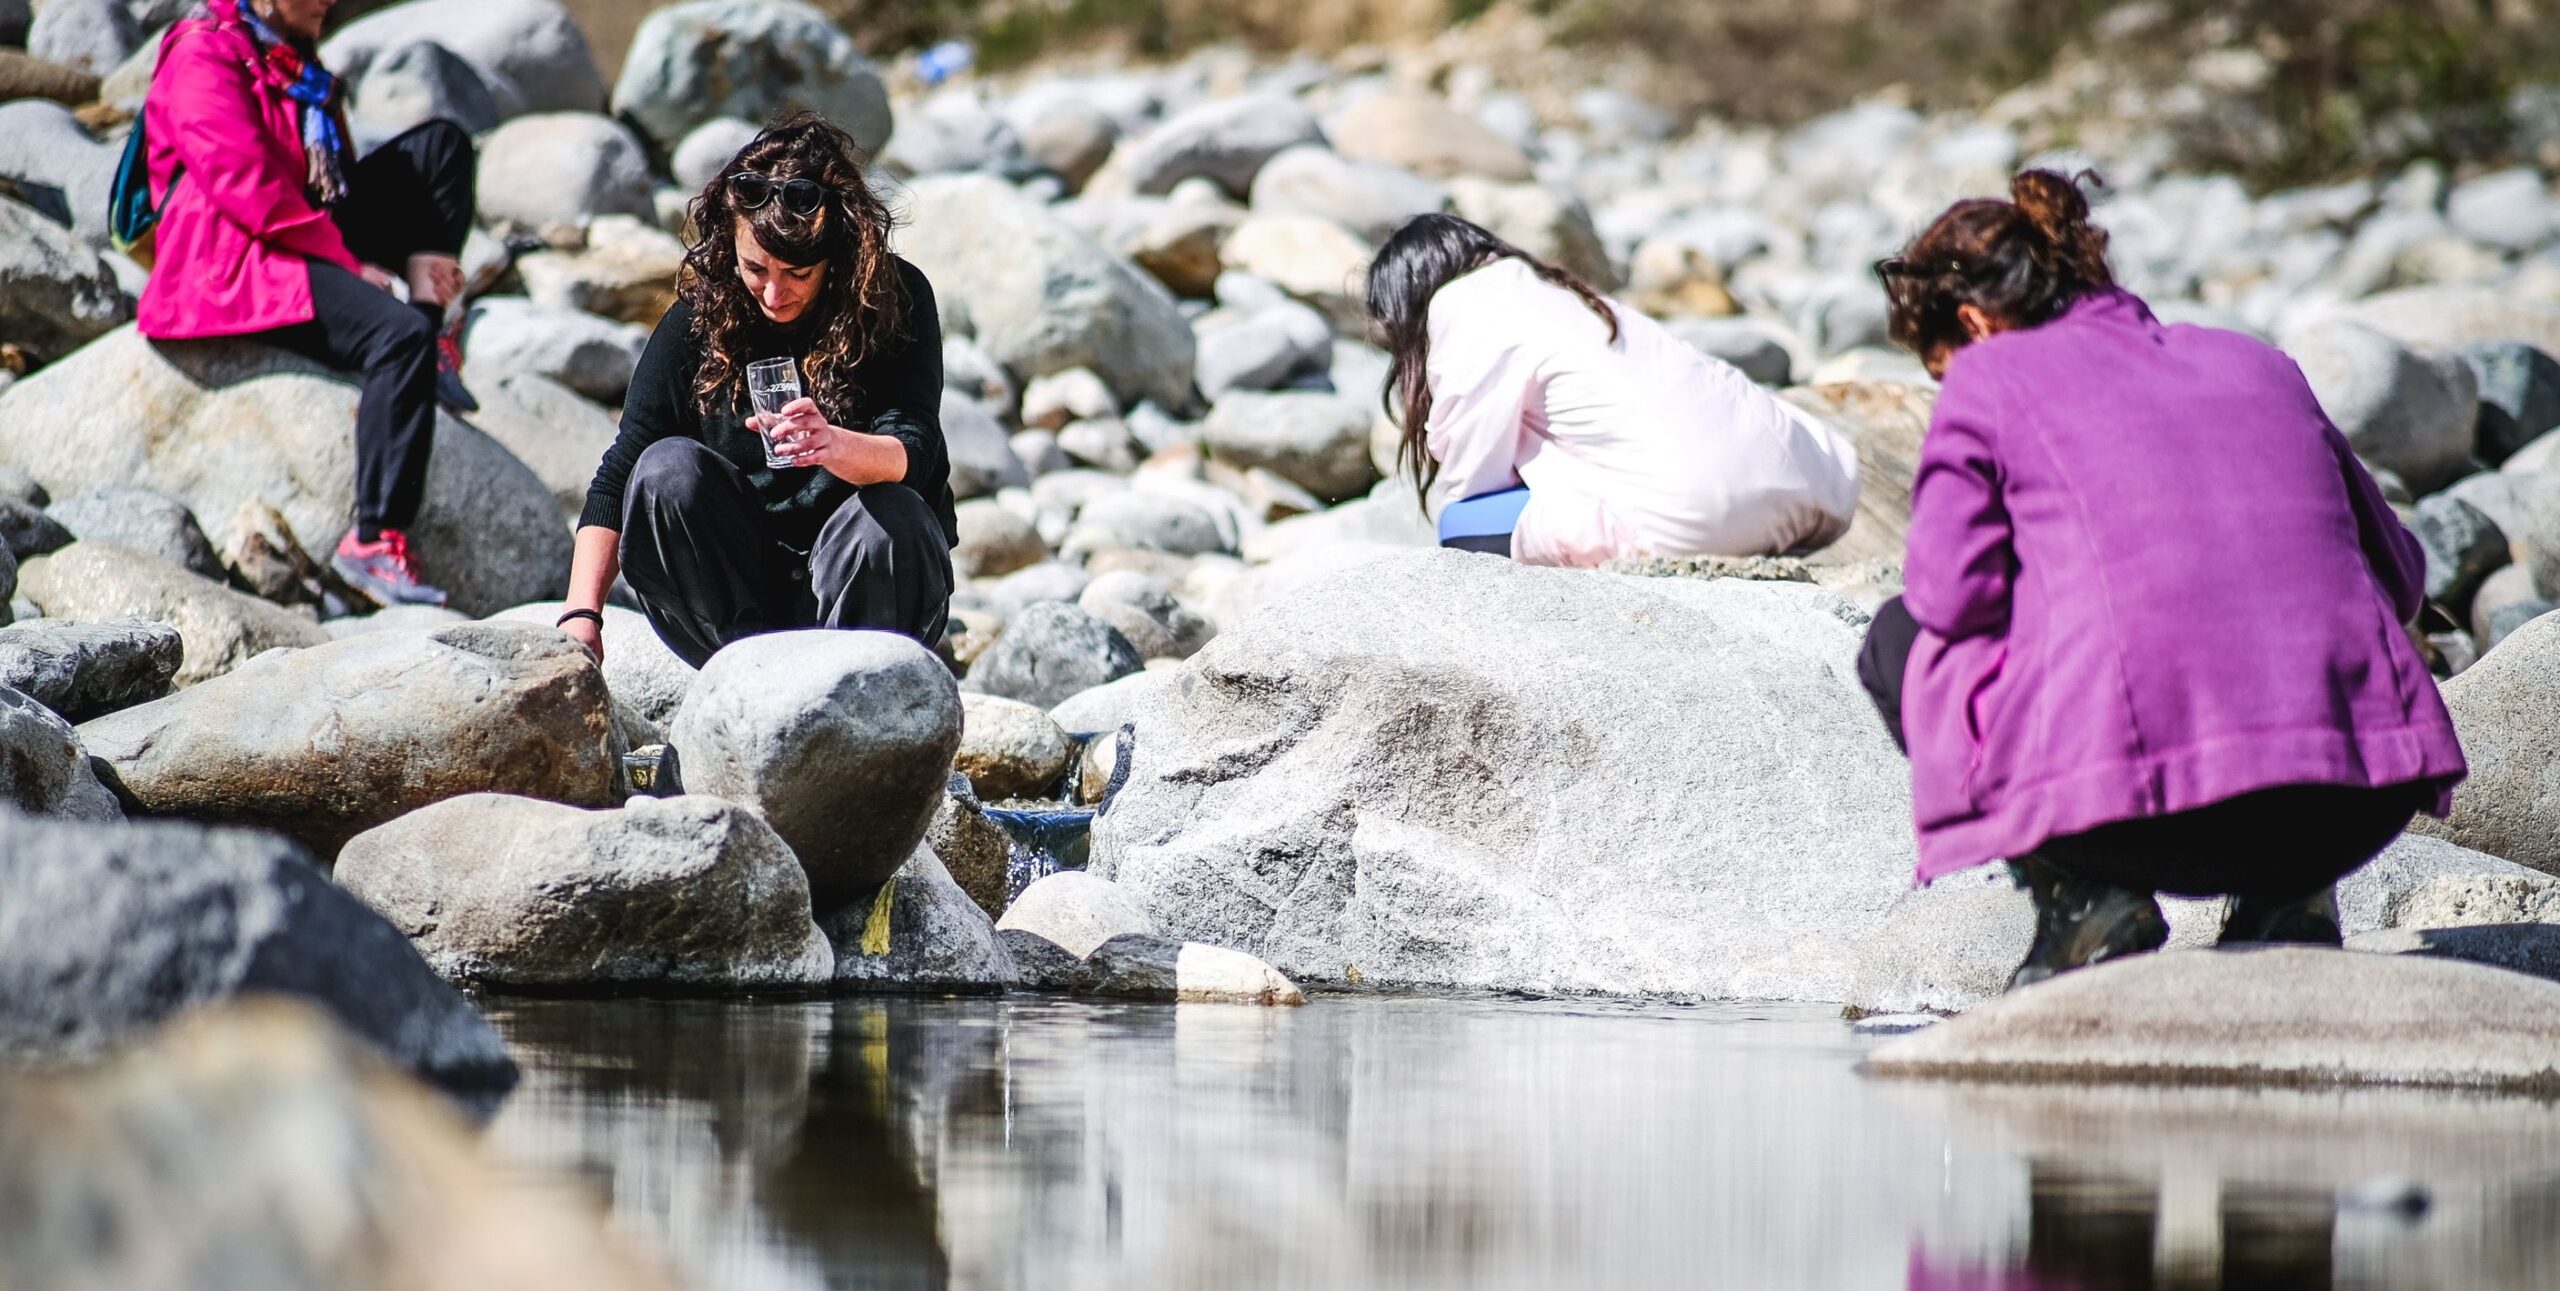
2150 576
1644 447
236 234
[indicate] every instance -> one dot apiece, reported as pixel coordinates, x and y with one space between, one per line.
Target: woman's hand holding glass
801 434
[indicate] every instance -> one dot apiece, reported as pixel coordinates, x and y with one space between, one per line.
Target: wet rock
994 541
2462 548
56 166
562 169
750 59
55 293
1144 610
556 432
920 932
325 743
1038 963
1009 749
1076 912
137 519
680 892
2506 708
43 770
221 629
1051 650
626 270
529 54
1138 967
2407 414
105 929
181 1150
1355 725
85 35
505 335
1044 297
1423 134
235 423
639 669
1319 442
1226 141
708 149
85 670
1372 199
408 85
842 740
2269 1016
2519 396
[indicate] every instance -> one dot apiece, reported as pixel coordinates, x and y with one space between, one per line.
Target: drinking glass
772 383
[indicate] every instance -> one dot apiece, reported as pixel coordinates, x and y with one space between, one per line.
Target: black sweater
899 393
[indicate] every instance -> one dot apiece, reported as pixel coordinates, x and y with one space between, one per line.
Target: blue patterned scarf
324 140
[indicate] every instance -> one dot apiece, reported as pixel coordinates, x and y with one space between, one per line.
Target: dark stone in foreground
85 670
105 929
27 531
1043 964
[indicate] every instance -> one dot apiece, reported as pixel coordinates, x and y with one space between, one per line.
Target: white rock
530 53
56 294
505 335
750 59
1224 140
708 149
557 169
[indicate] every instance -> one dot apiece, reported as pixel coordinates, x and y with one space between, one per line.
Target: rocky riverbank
1355 760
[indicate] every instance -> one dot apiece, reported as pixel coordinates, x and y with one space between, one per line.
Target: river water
1387 1142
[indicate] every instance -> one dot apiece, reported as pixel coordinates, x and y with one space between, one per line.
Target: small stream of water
1385 1142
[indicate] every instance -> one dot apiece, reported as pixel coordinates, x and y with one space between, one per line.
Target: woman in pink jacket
270 228
2151 639
1549 424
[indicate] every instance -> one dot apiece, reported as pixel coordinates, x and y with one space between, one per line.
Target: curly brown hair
2023 261
858 304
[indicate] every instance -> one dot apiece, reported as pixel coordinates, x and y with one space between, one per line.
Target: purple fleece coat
2150 576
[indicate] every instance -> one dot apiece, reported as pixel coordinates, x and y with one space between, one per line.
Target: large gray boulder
325 743
842 740
687 892
55 293
1441 770
220 629
1225 141
1044 297
707 149
106 929
559 434
412 84
557 169
529 53
43 770
918 932
2268 1016
751 59
223 424
57 166
143 520
85 670
87 35
2507 709
1050 652
639 669
1315 440
2404 412
507 335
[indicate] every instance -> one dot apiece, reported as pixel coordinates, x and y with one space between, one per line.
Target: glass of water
771 383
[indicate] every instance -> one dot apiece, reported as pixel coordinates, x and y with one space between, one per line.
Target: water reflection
1367 1142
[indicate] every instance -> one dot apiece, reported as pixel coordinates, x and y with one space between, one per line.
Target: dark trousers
411 196
2277 844
699 552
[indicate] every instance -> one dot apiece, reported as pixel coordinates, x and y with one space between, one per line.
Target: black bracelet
563 620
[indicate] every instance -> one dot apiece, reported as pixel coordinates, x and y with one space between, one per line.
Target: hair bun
2059 210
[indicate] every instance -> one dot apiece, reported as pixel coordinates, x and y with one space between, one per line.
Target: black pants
698 551
2276 844
411 196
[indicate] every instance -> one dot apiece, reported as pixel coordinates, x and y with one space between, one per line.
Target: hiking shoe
2310 921
383 569
449 388
2079 923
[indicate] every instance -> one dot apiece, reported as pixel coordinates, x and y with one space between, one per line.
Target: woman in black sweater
856 531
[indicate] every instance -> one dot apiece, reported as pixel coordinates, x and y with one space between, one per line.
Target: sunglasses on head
799 196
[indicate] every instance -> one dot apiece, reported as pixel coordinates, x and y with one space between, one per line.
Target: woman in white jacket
1546 422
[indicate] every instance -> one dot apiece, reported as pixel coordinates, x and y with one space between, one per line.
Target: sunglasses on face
799 196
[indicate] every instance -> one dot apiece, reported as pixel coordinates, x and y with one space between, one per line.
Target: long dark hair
858 304
1415 264
2023 261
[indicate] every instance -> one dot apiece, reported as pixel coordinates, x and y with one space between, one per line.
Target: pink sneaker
384 569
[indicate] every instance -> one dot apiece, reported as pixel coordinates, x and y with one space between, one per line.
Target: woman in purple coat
2151 635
